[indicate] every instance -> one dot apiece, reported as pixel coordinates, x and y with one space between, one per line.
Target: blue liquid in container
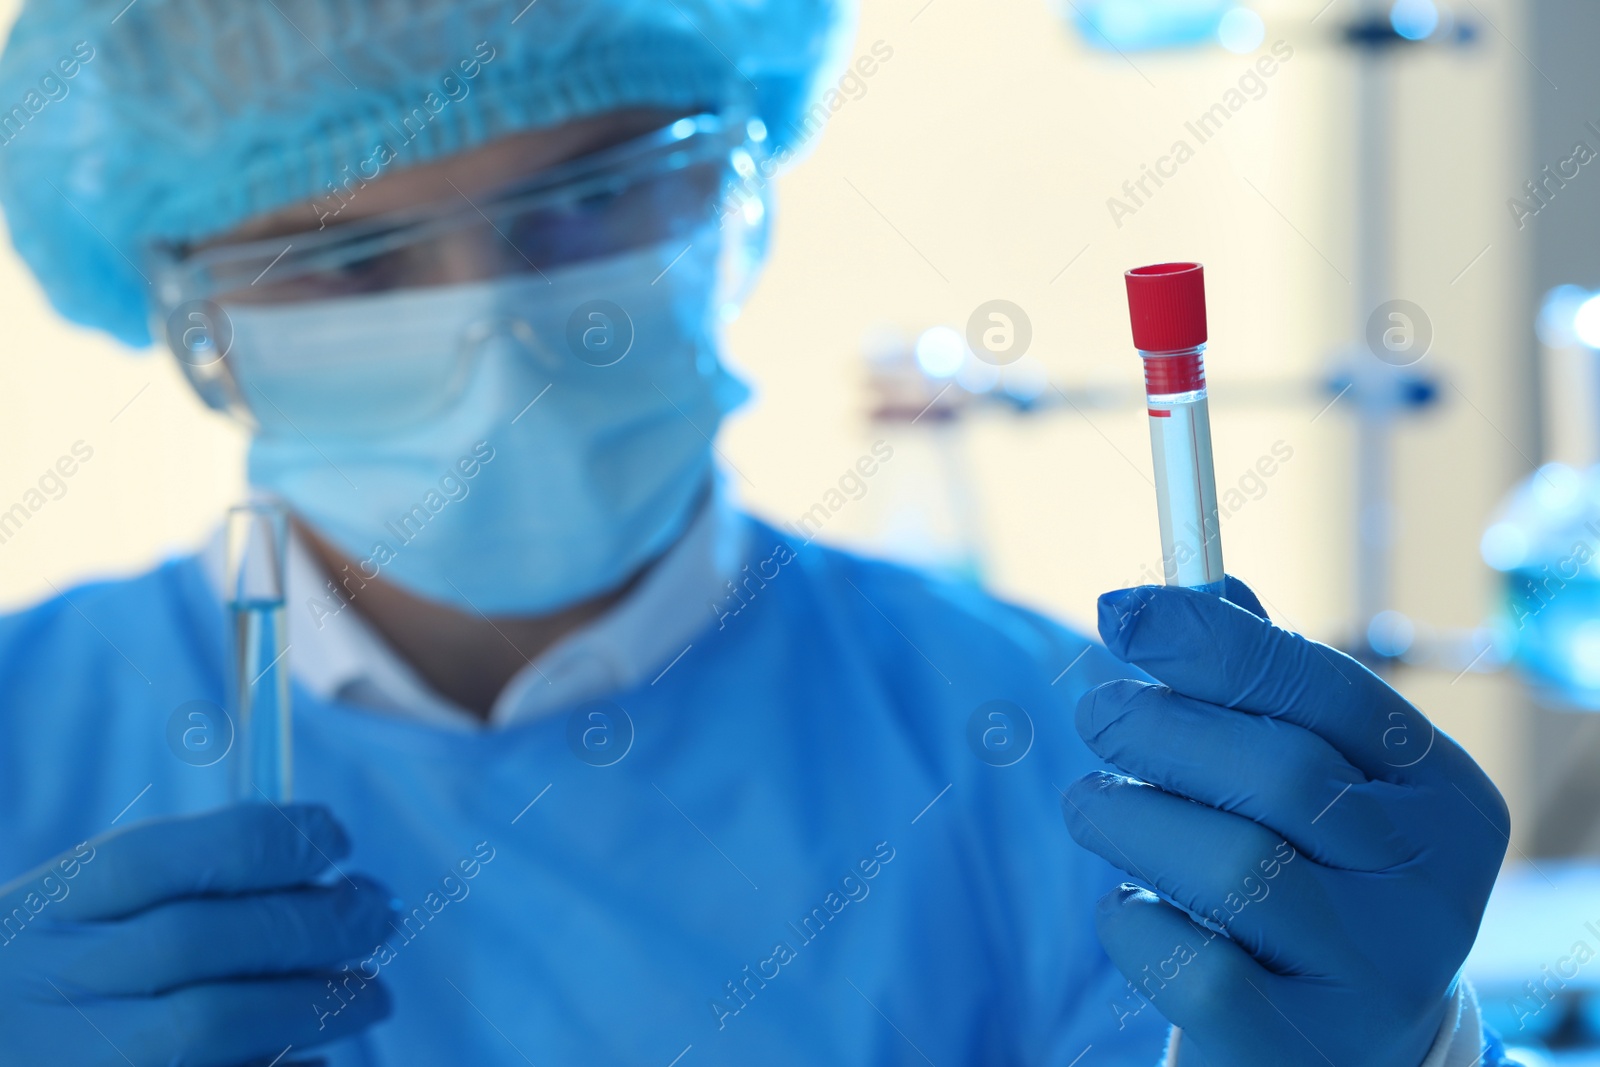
262 764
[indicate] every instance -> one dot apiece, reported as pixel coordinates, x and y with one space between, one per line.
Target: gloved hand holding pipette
1314 856
204 941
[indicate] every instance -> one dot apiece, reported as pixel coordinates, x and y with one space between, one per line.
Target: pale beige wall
1461 153
991 141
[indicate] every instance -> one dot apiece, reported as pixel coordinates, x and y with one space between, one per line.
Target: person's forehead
469 174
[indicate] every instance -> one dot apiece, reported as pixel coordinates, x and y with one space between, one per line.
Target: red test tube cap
1167 305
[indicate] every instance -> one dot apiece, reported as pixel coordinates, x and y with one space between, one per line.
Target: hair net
124 122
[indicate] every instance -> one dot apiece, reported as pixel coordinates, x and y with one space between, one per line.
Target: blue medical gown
693 894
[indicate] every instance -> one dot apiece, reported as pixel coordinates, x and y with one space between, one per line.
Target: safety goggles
660 185
648 189
646 192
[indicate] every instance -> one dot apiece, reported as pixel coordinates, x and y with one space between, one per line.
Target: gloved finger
1197 979
246 848
1213 650
204 939
1189 973
223 1024
1264 769
1226 870
1238 593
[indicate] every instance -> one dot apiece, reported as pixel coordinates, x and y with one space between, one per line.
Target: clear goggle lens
668 184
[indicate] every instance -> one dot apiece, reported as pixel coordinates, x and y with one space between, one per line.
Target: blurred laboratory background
1396 206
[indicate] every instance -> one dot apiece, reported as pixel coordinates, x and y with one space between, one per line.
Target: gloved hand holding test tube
1311 854
263 768
1167 307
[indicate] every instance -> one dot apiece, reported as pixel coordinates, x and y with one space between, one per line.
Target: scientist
461 266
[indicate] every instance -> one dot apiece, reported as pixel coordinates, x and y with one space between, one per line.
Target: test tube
1167 305
257 534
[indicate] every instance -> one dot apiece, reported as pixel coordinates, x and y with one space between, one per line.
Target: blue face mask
508 447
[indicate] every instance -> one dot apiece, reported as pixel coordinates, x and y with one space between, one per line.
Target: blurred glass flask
1545 536
924 508
257 536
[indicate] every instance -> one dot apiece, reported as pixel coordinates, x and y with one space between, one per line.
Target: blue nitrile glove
202 940
1284 794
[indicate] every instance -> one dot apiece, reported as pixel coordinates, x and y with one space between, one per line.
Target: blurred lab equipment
1545 536
1537 966
1151 25
1141 25
257 538
1545 540
1534 962
930 511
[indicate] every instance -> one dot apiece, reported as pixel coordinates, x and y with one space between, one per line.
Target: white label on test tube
1186 490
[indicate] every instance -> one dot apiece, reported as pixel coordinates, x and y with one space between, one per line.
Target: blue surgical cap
123 123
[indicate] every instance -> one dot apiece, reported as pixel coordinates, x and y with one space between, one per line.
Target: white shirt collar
340 657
